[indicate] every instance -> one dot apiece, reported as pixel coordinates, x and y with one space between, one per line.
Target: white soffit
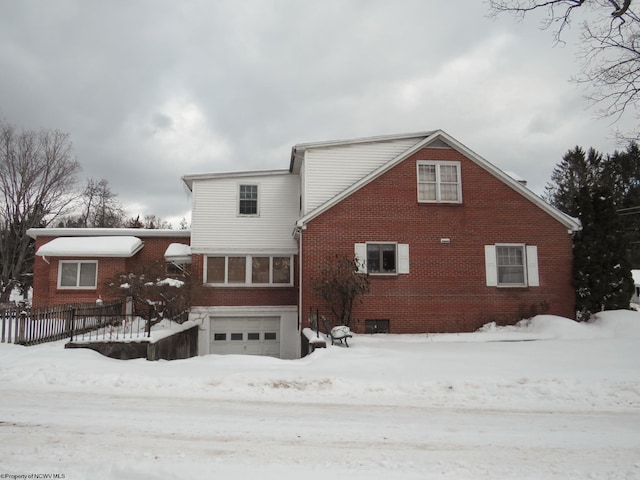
91 247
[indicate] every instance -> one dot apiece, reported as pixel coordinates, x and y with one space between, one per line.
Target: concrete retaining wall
180 345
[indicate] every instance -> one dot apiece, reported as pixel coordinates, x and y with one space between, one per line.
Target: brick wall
241 296
45 281
446 289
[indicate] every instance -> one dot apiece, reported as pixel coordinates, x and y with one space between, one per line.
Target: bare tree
101 207
37 172
341 286
609 47
154 222
155 293
151 222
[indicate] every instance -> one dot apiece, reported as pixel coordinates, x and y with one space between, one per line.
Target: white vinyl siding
218 228
330 170
511 265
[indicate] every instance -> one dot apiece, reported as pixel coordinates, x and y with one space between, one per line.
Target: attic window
439 182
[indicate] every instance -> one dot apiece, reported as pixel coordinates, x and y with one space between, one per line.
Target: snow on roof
178 252
171 282
516 177
106 232
91 247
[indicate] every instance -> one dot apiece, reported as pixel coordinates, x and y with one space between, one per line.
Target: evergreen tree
575 171
623 173
593 188
602 272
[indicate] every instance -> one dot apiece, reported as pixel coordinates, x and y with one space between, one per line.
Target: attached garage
248 330
245 335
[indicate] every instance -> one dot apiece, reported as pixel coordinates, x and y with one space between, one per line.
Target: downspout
299 279
298 232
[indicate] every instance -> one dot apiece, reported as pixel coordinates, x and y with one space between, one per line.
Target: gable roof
429 138
190 178
297 151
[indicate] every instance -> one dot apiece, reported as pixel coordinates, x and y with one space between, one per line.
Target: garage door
245 335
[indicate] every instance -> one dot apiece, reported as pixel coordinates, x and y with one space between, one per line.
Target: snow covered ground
547 399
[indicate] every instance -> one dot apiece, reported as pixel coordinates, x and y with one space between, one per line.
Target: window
376 326
76 274
260 270
174 268
237 269
215 269
439 182
248 270
248 204
282 270
381 257
512 265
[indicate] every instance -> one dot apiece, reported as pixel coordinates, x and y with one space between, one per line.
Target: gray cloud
152 90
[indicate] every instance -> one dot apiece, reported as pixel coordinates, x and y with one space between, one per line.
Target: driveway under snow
563 403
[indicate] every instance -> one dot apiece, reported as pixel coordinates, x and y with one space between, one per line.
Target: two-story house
244 253
450 242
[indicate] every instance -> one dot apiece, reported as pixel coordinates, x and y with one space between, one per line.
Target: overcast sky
152 90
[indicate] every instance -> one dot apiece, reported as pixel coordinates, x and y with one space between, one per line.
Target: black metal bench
337 334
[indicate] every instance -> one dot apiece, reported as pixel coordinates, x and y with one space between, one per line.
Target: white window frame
77 286
381 260
248 271
529 265
438 182
402 258
238 199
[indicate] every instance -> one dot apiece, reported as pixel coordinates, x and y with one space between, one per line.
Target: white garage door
245 335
